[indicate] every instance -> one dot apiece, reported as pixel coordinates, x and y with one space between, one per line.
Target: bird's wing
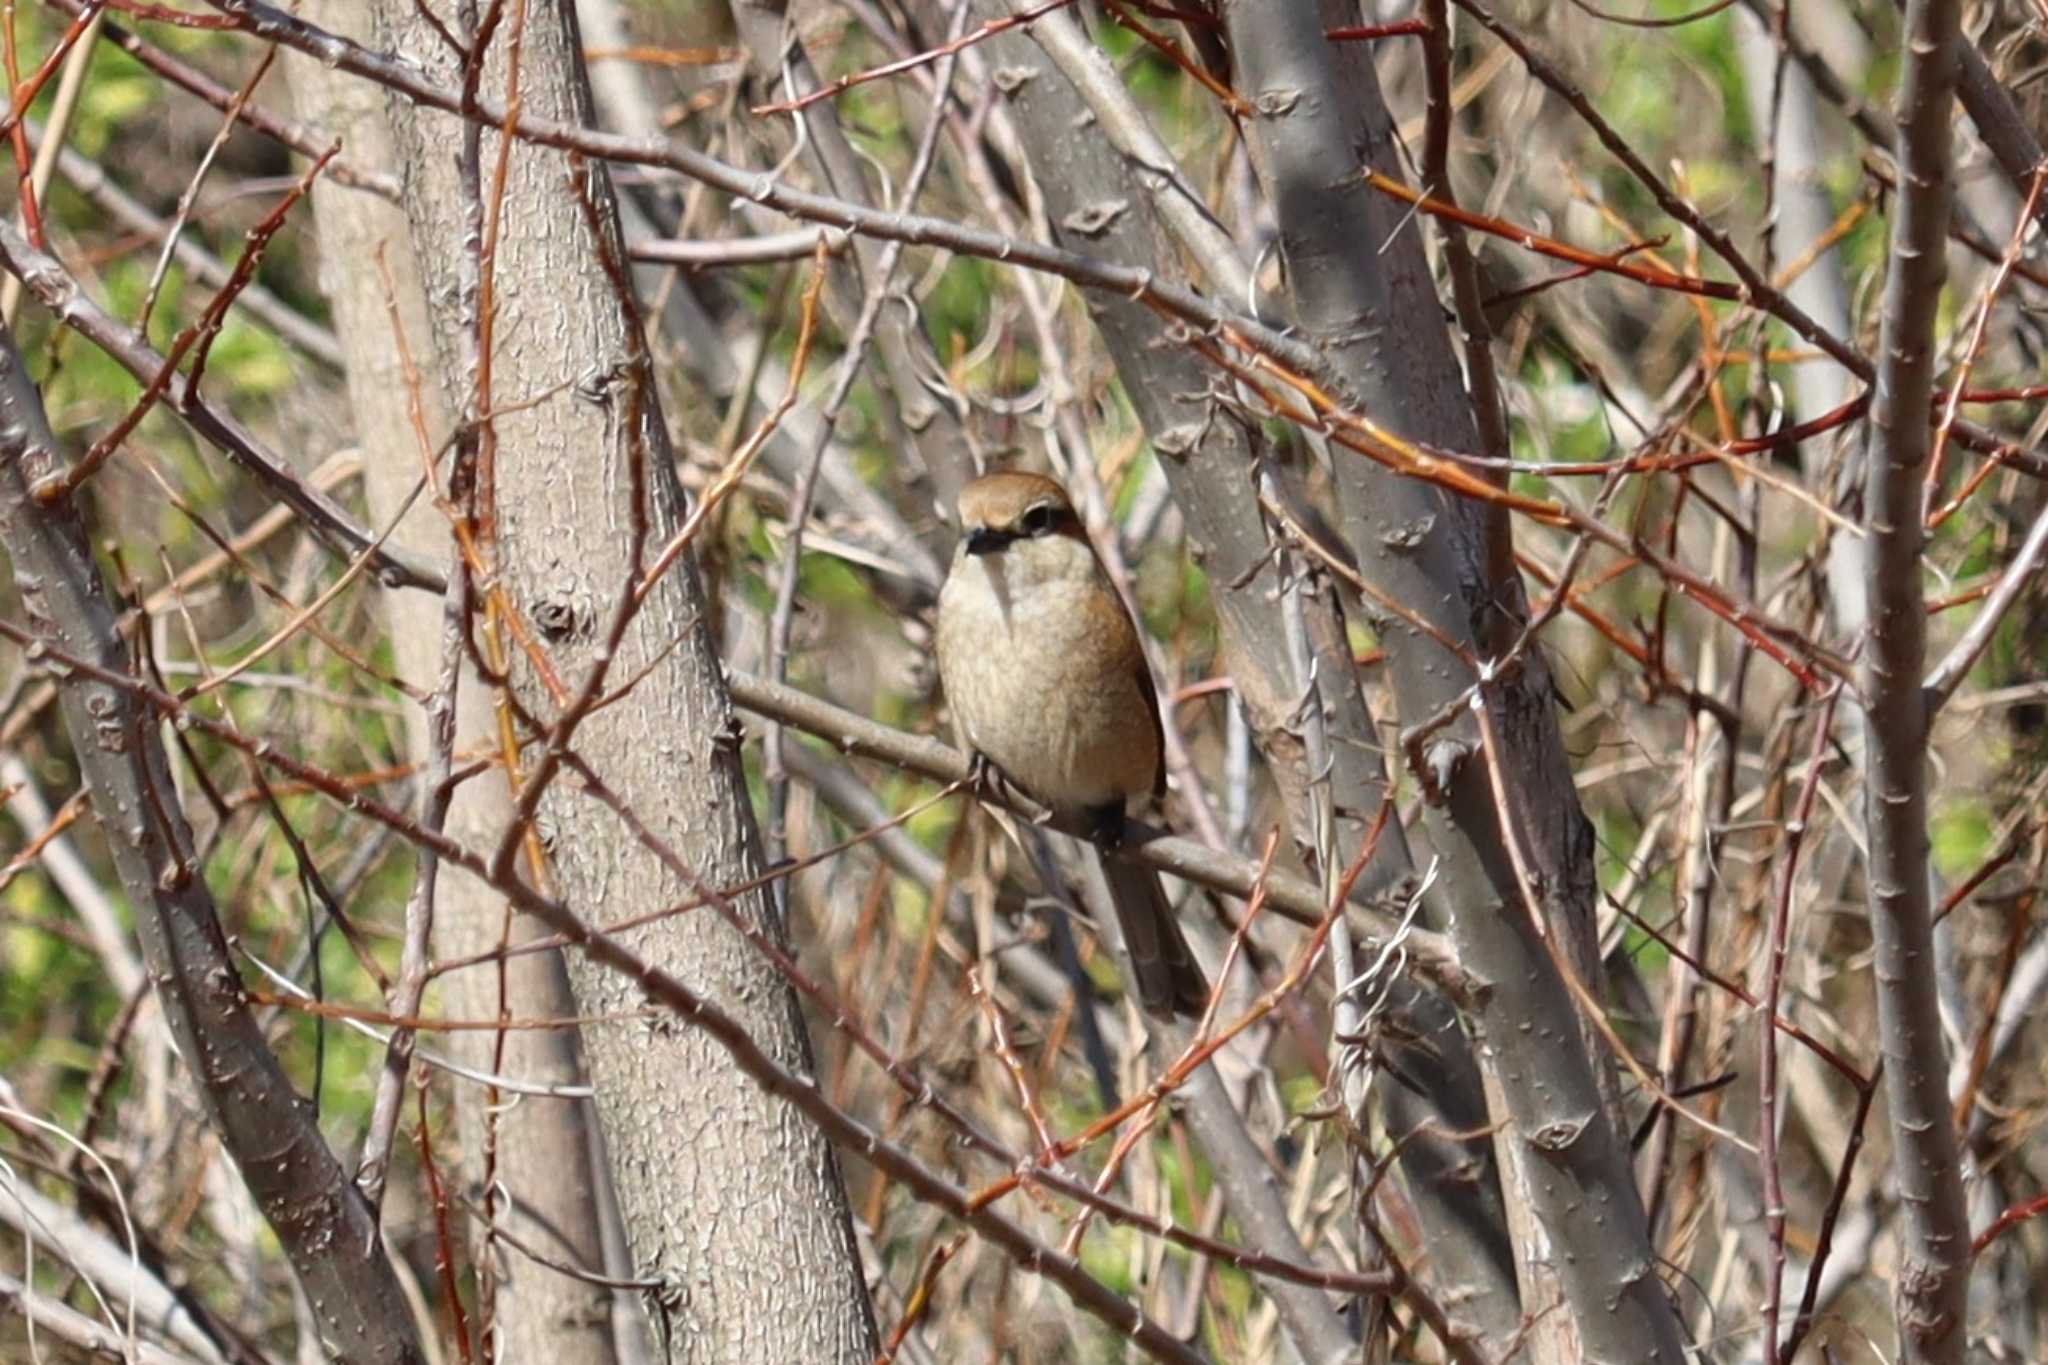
1151 696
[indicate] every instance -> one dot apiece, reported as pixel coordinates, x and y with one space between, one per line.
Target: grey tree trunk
732 1202
1373 313
326 1229
542 1146
1097 203
1930 1293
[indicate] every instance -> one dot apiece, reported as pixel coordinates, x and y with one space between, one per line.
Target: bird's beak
985 540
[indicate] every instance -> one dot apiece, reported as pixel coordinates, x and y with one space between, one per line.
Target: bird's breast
1045 682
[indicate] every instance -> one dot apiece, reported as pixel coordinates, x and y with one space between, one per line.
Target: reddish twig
198 338
911 63
1931 484
1767 1040
17 138
1824 1240
920 1300
1370 33
164 14
1170 50
304 140
2018 930
1020 1075
444 1239
25 92
1613 264
2011 1218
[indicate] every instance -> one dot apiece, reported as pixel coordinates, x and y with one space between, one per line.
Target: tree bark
1373 313
1931 1290
327 1230
1096 202
541 1153
732 1201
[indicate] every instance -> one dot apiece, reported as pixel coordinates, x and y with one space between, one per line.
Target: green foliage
956 312
1962 833
58 1002
123 91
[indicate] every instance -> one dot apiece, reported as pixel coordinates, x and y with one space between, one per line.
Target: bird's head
1026 523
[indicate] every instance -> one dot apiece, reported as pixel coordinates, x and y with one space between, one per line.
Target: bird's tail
1170 981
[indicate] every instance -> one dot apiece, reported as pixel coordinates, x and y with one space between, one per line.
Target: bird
1046 679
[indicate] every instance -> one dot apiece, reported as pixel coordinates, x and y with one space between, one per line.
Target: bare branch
324 1226
1930 1290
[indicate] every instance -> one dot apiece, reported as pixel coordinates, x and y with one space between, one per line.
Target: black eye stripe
1044 518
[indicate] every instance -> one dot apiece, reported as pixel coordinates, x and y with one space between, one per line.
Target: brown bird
1048 684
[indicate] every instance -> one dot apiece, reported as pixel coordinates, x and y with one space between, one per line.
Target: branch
119 1274
1758 290
800 1089
2016 578
1289 896
1179 206
52 1316
53 285
1321 125
323 1225
2003 127
402 78
306 139
1931 1286
90 179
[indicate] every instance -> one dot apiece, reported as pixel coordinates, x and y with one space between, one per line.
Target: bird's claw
989 782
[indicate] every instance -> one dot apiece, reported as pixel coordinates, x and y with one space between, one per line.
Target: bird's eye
1039 519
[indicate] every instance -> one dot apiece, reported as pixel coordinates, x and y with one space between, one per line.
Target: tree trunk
540 1149
1096 202
1373 314
732 1202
